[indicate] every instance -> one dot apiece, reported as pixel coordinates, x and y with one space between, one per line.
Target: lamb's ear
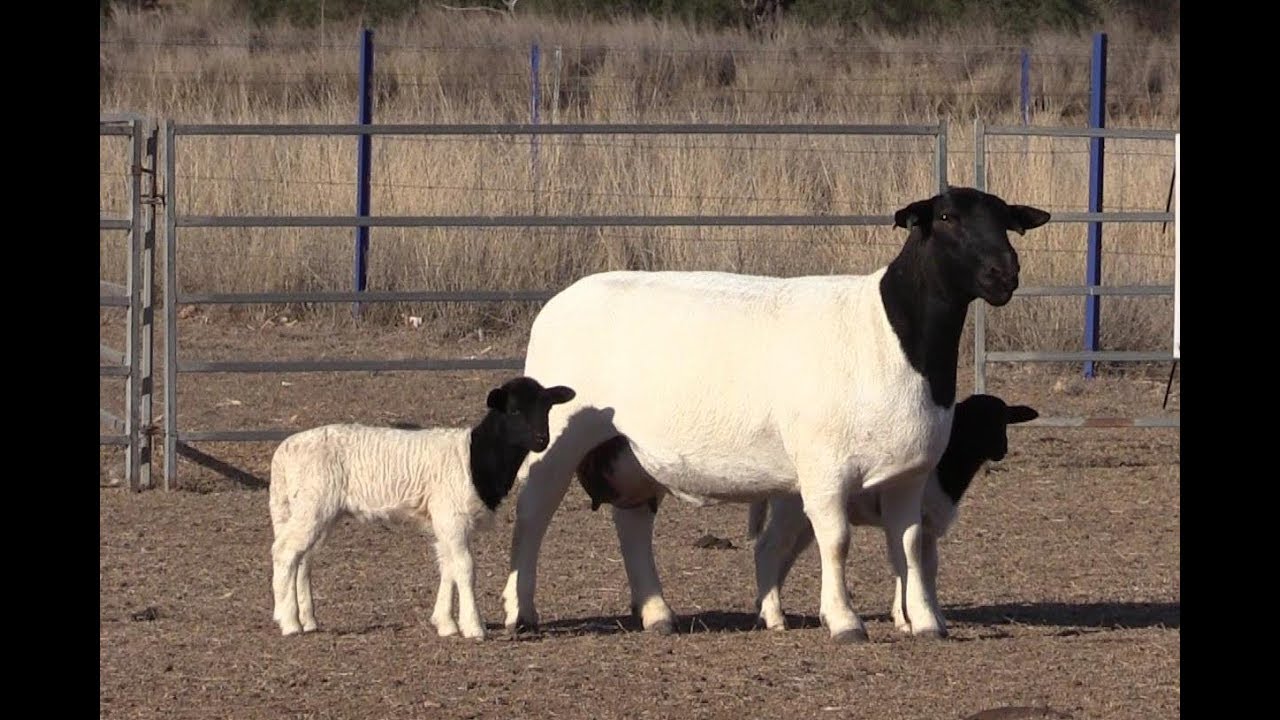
1024 217
919 212
497 399
1021 414
560 394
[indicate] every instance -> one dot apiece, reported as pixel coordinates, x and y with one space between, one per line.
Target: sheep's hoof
289 630
446 630
522 626
850 637
939 634
662 627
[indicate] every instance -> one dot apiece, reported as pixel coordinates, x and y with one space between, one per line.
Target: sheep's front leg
306 609
823 493
634 527
904 535
454 538
442 616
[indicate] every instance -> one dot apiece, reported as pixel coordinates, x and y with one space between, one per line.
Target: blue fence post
535 105
1097 119
363 153
1026 86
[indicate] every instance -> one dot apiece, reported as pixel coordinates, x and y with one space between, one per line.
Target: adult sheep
718 387
979 434
449 480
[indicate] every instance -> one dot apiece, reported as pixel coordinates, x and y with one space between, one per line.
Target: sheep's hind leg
442 617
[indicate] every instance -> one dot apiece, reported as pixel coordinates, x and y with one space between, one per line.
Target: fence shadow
226 469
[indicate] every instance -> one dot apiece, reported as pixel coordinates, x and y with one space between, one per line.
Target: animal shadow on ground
696 623
1105 615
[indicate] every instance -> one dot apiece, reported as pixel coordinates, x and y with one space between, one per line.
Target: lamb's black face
522 405
966 233
981 423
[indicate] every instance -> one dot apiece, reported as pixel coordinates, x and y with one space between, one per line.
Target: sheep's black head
966 236
980 424
520 408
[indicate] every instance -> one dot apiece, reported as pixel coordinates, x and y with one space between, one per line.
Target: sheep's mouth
999 291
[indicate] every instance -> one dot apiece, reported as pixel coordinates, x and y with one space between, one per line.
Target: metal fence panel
135 296
176 439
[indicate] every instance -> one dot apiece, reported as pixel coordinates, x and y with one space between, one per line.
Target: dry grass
475 68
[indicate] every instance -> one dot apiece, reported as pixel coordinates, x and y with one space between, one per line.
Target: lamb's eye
944 217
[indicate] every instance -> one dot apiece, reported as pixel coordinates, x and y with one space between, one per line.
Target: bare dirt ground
1060 581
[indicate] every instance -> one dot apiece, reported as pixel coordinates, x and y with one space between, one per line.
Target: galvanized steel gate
136 296
982 356
177 439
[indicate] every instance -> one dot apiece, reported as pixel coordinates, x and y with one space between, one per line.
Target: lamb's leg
929 566
287 552
900 503
821 489
453 534
634 527
442 616
306 610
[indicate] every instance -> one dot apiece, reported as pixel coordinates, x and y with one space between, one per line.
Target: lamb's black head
966 232
980 424
520 408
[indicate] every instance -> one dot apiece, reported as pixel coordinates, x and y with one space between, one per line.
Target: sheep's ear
1024 217
497 399
1021 414
919 212
560 394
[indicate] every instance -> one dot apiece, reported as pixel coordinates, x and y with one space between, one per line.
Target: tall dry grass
442 67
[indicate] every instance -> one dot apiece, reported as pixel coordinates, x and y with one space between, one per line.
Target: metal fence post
133 340
147 331
1097 119
940 156
1026 86
363 151
170 308
535 104
979 308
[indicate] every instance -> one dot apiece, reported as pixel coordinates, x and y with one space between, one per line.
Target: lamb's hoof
290 630
522 627
852 636
940 634
662 627
904 629
446 630
477 636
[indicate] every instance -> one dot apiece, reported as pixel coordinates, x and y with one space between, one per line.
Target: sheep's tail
755 518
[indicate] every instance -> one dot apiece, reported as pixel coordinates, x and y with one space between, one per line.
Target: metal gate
982 356
136 296
177 439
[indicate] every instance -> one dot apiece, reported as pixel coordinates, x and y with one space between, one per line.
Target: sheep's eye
944 217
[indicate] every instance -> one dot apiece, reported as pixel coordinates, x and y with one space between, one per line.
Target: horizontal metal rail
558 129
110 419
110 129
1108 133
105 439
107 223
1080 356
1104 422
243 221
112 371
233 435
367 297
299 366
1086 217
109 288
1072 290
112 301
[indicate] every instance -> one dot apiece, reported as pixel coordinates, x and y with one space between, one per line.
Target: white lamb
448 479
